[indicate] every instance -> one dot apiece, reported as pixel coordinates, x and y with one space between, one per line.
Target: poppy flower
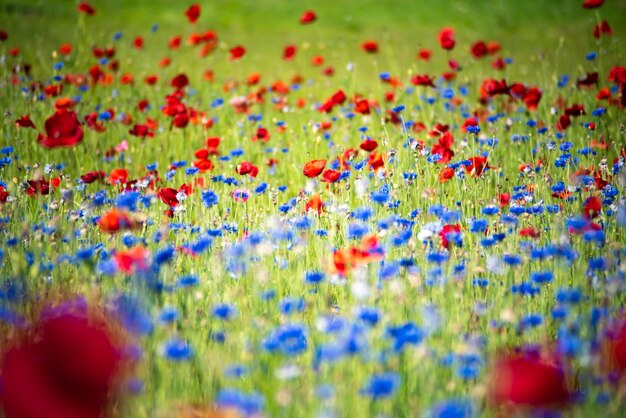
25 122
527 380
443 148
62 130
376 161
447 232
504 199
193 13
168 196
477 166
237 52
246 167
446 39
532 97
4 195
424 54
133 260
362 106
118 176
592 207
308 17
52 369
369 145
92 176
314 168
590 79
289 52
4 35
370 47
180 81
602 28
422 80
141 131
592 4
86 8
563 123
330 176
262 134
116 220
317 60
617 75
529 232
479 49
315 203
65 49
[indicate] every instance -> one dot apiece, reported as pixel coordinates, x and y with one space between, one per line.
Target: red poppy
118 176
25 122
3 35
362 106
237 52
86 8
65 49
92 176
4 195
602 28
180 81
330 176
424 54
133 260
193 13
479 49
317 60
141 131
592 207
315 203
563 123
262 135
289 52
138 42
529 232
590 79
376 161
531 98
62 130
308 17
446 39
370 47
447 231
51 369
314 168
168 196
477 166
39 186
504 199
369 145
151 80
443 148
575 110
498 64
592 4
246 167
422 80
336 99
617 75
526 380
116 220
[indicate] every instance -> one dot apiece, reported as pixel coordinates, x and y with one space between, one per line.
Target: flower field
290 209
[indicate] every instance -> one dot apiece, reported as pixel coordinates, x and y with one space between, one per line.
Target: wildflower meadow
312 209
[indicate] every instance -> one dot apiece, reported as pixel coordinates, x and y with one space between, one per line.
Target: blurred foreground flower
529 380
66 365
